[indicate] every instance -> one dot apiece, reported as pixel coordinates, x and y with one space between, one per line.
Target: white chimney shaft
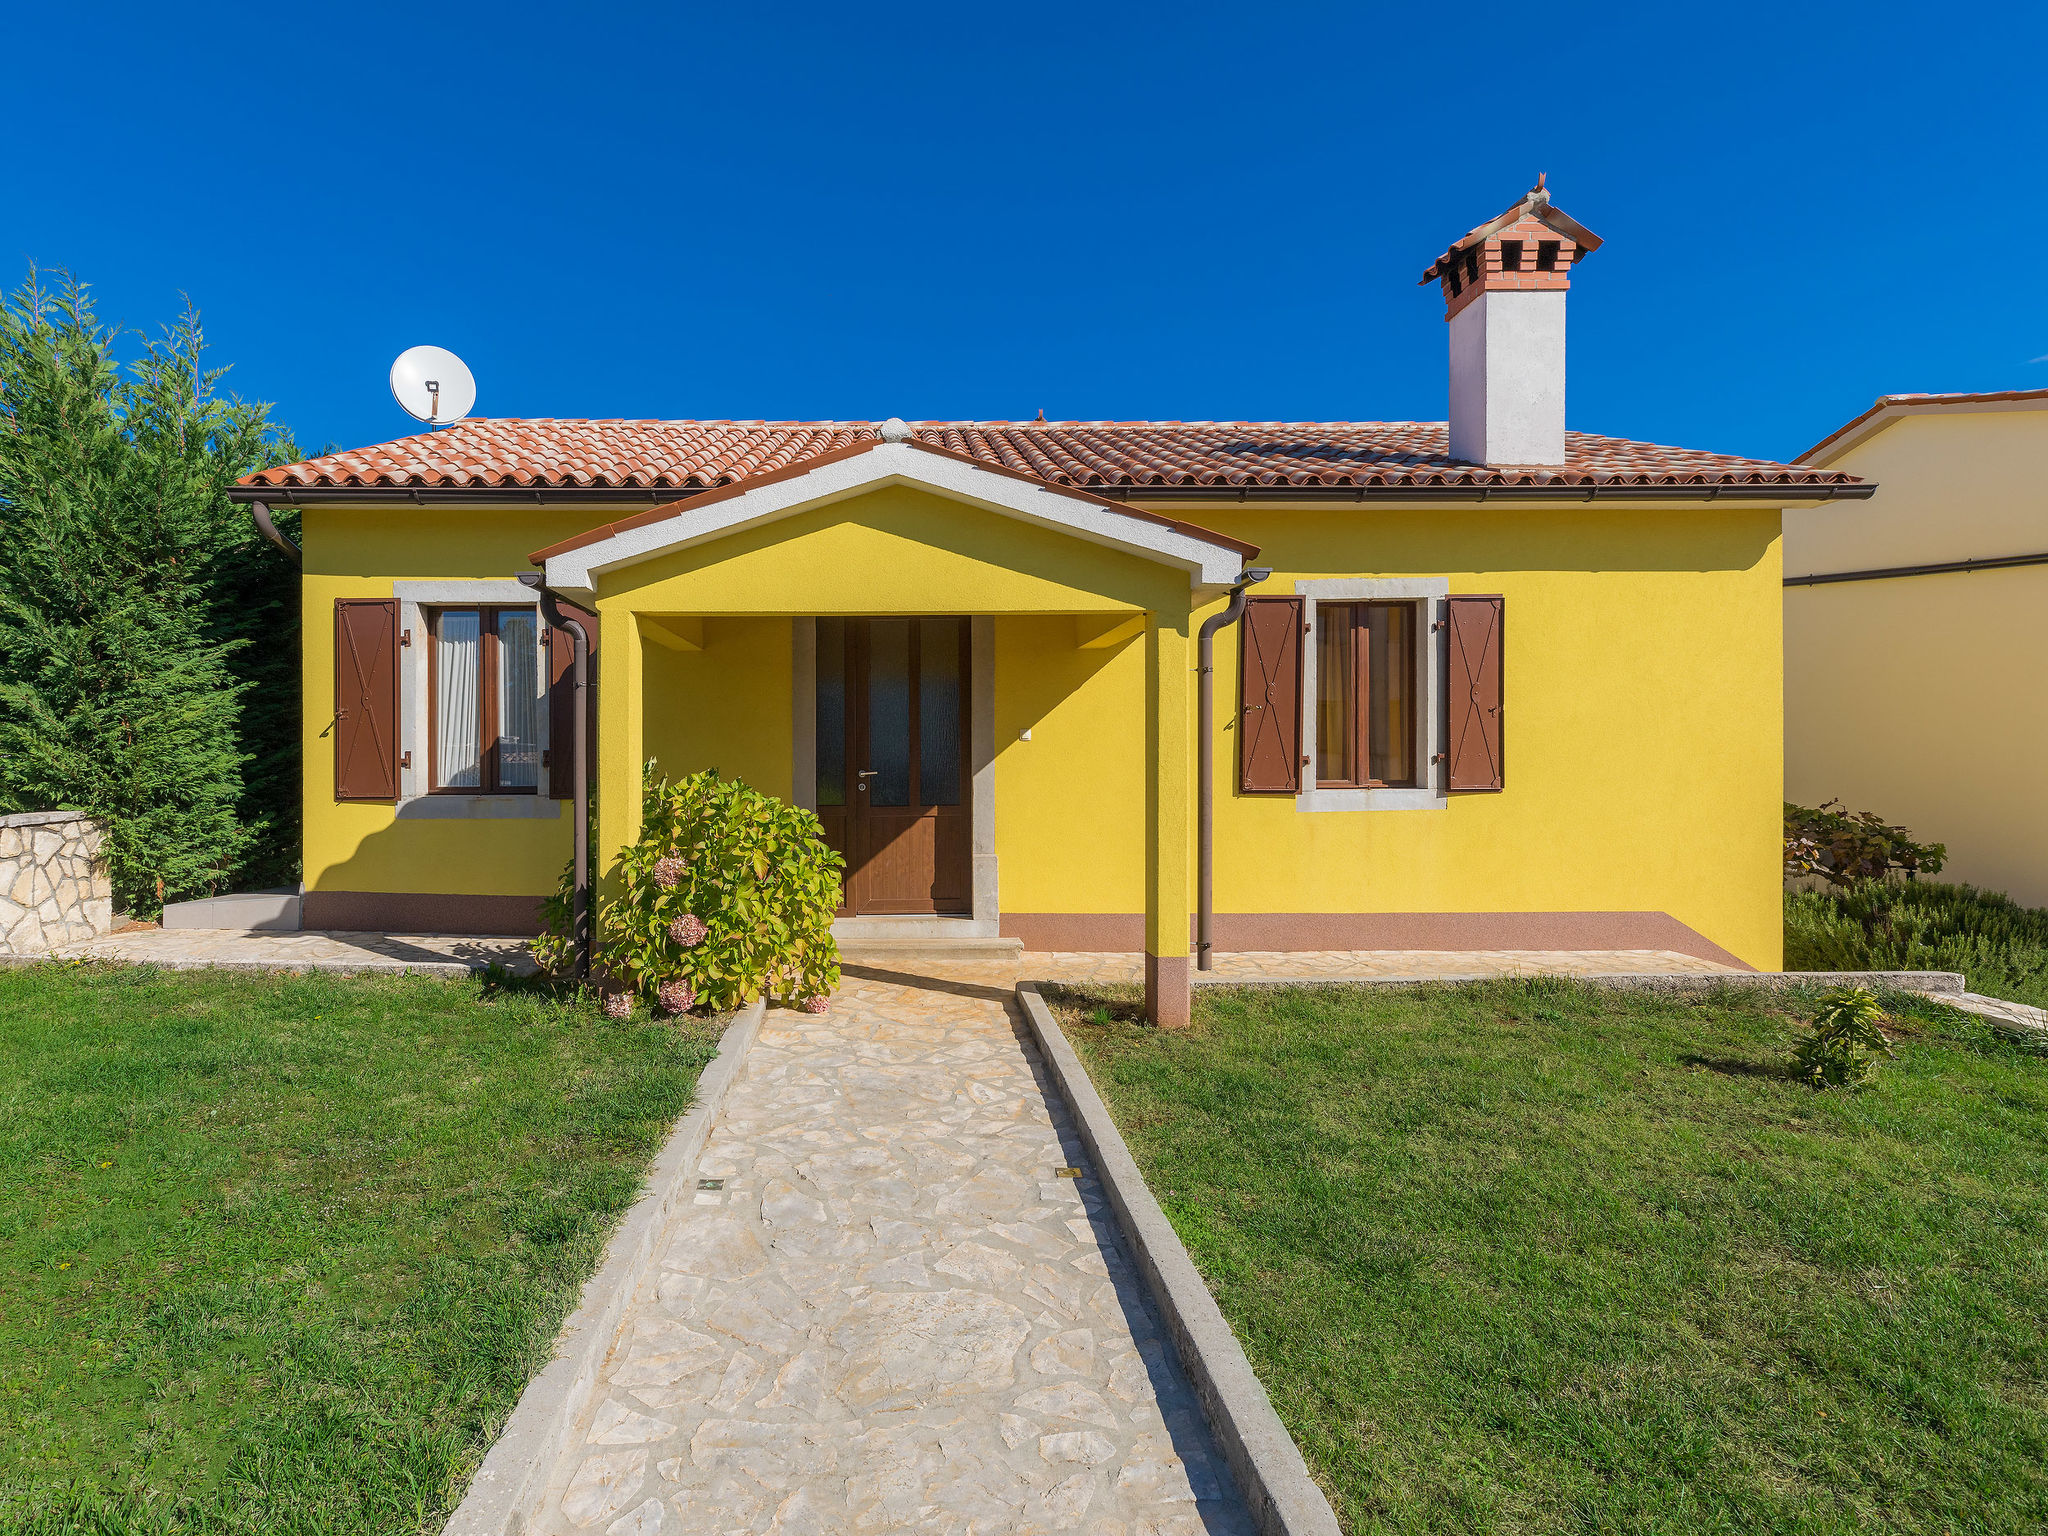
1504 287
1507 378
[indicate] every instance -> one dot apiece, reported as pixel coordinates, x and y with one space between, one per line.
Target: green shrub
1843 1045
149 639
1879 925
1843 847
727 895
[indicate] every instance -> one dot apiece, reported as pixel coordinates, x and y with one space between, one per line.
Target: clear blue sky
1184 211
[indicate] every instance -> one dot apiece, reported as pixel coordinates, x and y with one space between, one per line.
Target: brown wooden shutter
562 704
1269 705
1475 693
365 699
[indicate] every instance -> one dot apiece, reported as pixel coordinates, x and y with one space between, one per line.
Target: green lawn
1530 1257
2000 946
278 1253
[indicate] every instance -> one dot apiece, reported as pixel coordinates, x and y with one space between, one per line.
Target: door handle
864 774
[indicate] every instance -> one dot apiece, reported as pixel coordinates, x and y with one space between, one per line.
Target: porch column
1169 887
620 748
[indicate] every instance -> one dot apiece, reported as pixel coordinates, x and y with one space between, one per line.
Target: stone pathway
893 1313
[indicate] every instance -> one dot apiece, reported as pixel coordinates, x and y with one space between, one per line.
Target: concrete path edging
505 1494
1272 1476
1941 984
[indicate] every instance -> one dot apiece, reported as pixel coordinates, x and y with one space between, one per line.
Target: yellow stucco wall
1070 801
1642 747
1642 691
1913 697
362 846
718 707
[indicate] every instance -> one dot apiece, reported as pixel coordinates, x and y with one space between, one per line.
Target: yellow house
1490 684
1911 628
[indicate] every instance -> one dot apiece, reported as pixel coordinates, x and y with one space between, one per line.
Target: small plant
728 894
1843 847
1843 1044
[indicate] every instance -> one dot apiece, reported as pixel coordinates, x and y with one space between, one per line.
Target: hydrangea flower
688 930
814 1004
618 1005
668 870
677 995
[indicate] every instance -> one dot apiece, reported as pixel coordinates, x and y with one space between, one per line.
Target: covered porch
983 686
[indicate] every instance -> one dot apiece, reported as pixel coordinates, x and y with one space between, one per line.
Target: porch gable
1210 560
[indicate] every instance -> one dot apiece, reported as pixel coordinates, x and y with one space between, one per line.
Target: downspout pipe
579 775
268 529
1205 767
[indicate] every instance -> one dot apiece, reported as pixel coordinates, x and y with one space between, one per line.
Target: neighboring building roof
1112 457
1889 408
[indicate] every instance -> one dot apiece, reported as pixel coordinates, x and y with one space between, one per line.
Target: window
1365 695
487 702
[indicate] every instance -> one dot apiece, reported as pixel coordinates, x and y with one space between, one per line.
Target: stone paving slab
2019 1019
185 949
894 1314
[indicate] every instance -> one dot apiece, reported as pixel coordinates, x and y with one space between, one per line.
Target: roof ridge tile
537 452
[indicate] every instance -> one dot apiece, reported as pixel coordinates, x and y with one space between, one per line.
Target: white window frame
415 660
1430 596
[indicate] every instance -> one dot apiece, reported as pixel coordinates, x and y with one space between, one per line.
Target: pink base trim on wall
419 912
1168 1001
1124 932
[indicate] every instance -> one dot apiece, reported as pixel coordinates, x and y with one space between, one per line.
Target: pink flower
688 930
676 996
618 1005
667 871
815 1004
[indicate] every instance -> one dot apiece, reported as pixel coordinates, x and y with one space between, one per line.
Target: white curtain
522 700
458 707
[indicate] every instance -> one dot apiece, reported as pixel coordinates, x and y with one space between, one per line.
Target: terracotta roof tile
1105 456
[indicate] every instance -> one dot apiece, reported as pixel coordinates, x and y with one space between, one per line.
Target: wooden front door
893 772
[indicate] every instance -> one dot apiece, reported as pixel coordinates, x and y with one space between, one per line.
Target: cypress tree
148 638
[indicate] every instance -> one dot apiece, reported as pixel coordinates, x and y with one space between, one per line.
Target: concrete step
275 911
862 951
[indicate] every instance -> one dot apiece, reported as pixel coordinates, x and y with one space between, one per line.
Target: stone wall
53 882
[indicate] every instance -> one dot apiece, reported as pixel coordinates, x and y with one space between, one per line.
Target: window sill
479 808
1370 800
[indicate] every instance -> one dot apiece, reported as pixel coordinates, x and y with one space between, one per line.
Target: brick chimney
1504 286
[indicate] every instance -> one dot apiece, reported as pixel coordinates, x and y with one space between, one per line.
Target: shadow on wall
1039 665
725 707
443 876
1504 539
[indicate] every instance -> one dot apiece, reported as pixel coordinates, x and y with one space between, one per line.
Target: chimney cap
1535 204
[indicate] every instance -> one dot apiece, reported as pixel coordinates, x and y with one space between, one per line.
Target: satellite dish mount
433 385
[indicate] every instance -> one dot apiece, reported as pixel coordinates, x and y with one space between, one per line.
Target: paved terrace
187 948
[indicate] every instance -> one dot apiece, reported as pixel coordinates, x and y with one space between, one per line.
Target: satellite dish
433 385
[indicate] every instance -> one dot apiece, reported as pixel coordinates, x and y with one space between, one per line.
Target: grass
1534 1257
1999 945
278 1253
